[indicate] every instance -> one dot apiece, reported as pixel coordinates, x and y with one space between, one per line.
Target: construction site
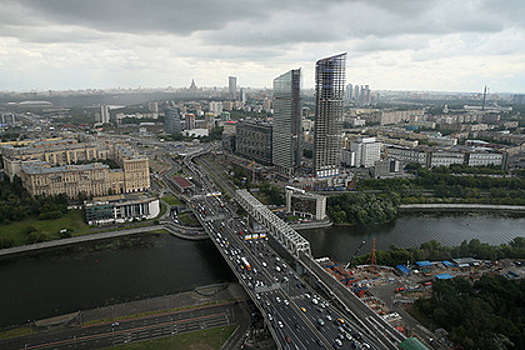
389 291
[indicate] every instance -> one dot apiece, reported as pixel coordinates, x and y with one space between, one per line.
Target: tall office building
349 92
329 111
287 129
172 120
104 114
232 88
189 121
243 95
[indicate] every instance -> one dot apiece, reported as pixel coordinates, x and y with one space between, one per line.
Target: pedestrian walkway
78 239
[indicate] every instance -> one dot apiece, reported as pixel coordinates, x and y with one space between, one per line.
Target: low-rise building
387 168
445 158
300 202
120 209
254 141
406 155
367 151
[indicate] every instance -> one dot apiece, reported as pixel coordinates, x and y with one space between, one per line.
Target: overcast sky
448 45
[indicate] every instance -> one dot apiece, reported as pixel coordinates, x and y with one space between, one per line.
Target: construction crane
355 253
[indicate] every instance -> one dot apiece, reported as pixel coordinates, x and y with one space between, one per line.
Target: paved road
275 288
126 331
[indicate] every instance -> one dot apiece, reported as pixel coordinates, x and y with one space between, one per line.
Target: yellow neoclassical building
51 167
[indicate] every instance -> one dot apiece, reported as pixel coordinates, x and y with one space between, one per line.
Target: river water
340 242
63 280
85 276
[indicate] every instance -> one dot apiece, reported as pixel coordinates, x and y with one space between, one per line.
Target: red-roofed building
182 183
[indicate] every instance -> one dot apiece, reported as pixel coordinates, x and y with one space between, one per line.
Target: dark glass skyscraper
287 128
232 88
172 120
329 110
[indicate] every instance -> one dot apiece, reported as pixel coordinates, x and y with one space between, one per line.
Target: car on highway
303 309
277 299
281 325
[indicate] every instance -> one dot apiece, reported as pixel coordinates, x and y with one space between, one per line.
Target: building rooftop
182 182
41 169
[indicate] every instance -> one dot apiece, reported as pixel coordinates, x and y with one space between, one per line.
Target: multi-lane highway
298 318
130 330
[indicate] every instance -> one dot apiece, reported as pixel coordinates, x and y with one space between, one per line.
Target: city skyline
433 46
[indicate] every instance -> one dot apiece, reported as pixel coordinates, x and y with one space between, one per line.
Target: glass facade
172 120
287 128
329 112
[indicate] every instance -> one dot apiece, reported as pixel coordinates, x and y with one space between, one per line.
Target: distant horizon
433 45
225 87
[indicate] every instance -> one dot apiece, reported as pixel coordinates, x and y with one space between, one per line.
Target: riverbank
192 236
77 239
461 207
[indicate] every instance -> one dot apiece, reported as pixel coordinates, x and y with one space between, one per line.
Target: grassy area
16 332
163 208
149 313
161 231
18 231
188 219
209 339
261 197
171 200
418 315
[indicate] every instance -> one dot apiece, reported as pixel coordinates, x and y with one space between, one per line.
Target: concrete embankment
189 236
311 225
175 231
460 207
78 239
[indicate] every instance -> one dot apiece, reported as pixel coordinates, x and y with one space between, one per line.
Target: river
63 280
340 242
84 276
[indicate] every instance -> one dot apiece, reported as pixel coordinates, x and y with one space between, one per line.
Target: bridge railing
292 241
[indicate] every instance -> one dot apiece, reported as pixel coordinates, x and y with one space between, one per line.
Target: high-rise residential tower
329 110
105 116
349 92
172 120
287 129
232 88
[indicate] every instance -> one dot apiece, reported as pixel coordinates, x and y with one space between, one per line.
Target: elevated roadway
296 317
369 320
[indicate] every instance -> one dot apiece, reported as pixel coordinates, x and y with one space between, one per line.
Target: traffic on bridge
298 318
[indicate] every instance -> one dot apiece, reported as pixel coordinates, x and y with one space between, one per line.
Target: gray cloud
180 35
